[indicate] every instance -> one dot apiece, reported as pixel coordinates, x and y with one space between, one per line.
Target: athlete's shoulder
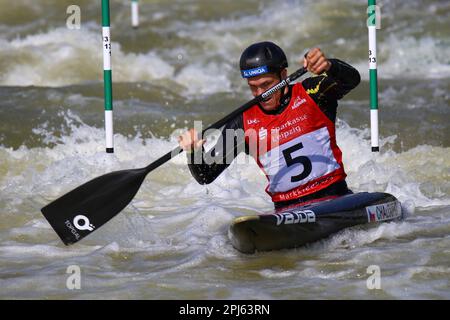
235 123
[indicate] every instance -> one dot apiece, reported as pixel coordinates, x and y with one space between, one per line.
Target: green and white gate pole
107 77
372 26
134 13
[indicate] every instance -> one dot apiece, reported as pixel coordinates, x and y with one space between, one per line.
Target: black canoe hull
295 226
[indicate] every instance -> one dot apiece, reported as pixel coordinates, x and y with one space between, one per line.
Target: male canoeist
296 126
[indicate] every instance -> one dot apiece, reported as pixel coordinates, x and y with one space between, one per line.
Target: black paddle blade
86 208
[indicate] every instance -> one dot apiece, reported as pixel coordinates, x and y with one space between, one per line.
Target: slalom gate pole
107 76
134 14
372 26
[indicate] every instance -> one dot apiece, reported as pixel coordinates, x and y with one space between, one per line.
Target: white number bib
299 161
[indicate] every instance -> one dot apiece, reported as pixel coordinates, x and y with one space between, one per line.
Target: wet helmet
261 58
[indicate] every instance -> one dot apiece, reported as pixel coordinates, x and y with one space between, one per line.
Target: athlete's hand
316 62
190 140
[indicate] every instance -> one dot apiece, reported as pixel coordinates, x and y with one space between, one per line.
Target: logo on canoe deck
295 216
384 212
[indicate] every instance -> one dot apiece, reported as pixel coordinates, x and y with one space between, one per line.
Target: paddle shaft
216 125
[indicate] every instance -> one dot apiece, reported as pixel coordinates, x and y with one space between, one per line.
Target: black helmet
262 57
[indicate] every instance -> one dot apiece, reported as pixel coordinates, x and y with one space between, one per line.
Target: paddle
86 208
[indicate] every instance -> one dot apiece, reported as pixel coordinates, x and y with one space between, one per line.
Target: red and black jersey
296 149
321 94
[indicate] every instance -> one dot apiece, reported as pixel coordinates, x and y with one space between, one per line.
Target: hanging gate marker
134 14
107 76
372 24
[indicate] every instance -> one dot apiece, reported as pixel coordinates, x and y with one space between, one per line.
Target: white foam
39 251
320 274
205 65
195 214
204 79
276 274
352 238
208 61
402 174
415 58
62 57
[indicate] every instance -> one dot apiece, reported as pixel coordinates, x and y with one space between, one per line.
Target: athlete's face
262 83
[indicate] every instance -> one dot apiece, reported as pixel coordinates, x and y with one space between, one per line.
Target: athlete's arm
327 88
205 167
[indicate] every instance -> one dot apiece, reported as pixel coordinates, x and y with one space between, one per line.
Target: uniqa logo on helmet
254 72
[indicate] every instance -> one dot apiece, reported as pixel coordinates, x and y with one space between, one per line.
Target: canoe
298 225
